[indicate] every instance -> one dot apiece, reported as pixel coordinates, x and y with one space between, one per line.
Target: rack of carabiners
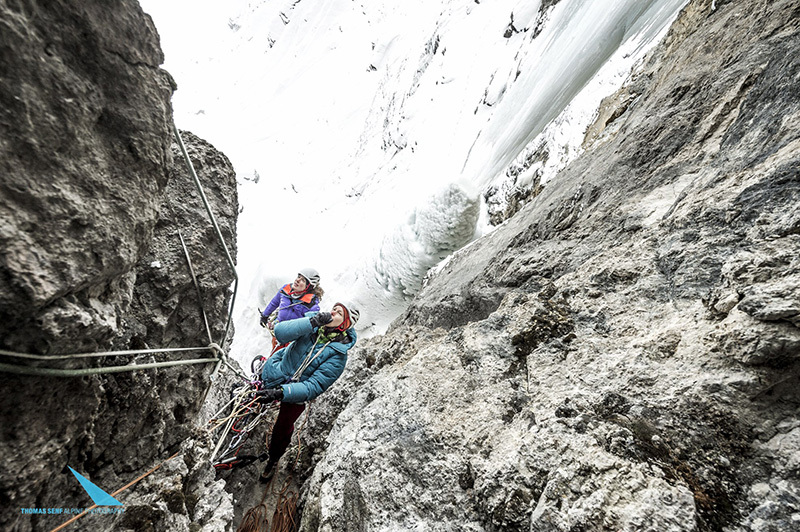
244 413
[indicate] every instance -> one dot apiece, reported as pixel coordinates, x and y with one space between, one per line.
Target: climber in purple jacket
294 300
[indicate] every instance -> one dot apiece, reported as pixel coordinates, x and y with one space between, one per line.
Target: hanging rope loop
217 350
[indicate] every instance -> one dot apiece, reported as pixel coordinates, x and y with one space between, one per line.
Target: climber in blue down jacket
305 368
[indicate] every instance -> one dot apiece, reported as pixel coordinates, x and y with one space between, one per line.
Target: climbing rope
255 520
309 359
190 166
54 372
241 409
283 518
212 347
60 372
237 411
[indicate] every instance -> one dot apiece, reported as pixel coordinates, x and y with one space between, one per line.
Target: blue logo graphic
99 497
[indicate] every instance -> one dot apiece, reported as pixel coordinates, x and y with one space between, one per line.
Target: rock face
165 310
86 132
621 354
94 193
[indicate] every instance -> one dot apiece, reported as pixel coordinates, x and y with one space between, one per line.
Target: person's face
337 312
299 284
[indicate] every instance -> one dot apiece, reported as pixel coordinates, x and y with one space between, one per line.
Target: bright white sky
375 127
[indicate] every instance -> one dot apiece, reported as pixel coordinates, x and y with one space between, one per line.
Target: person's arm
288 331
321 380
272 305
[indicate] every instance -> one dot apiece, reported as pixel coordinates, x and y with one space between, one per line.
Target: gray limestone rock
85 121
112 428
91 202
622 353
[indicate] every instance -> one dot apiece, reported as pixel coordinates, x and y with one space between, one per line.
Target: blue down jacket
327 365
290 307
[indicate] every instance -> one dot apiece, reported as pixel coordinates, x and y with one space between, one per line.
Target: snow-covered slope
366 134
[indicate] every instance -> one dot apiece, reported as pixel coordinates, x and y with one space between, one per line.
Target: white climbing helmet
311 275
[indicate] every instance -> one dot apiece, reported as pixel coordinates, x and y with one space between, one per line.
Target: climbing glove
320 319
267 396
264 320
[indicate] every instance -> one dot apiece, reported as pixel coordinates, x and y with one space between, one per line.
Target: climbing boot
268 473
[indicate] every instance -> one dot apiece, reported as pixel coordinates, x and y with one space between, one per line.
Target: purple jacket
291 307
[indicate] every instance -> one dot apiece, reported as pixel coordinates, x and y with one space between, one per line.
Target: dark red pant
283 429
